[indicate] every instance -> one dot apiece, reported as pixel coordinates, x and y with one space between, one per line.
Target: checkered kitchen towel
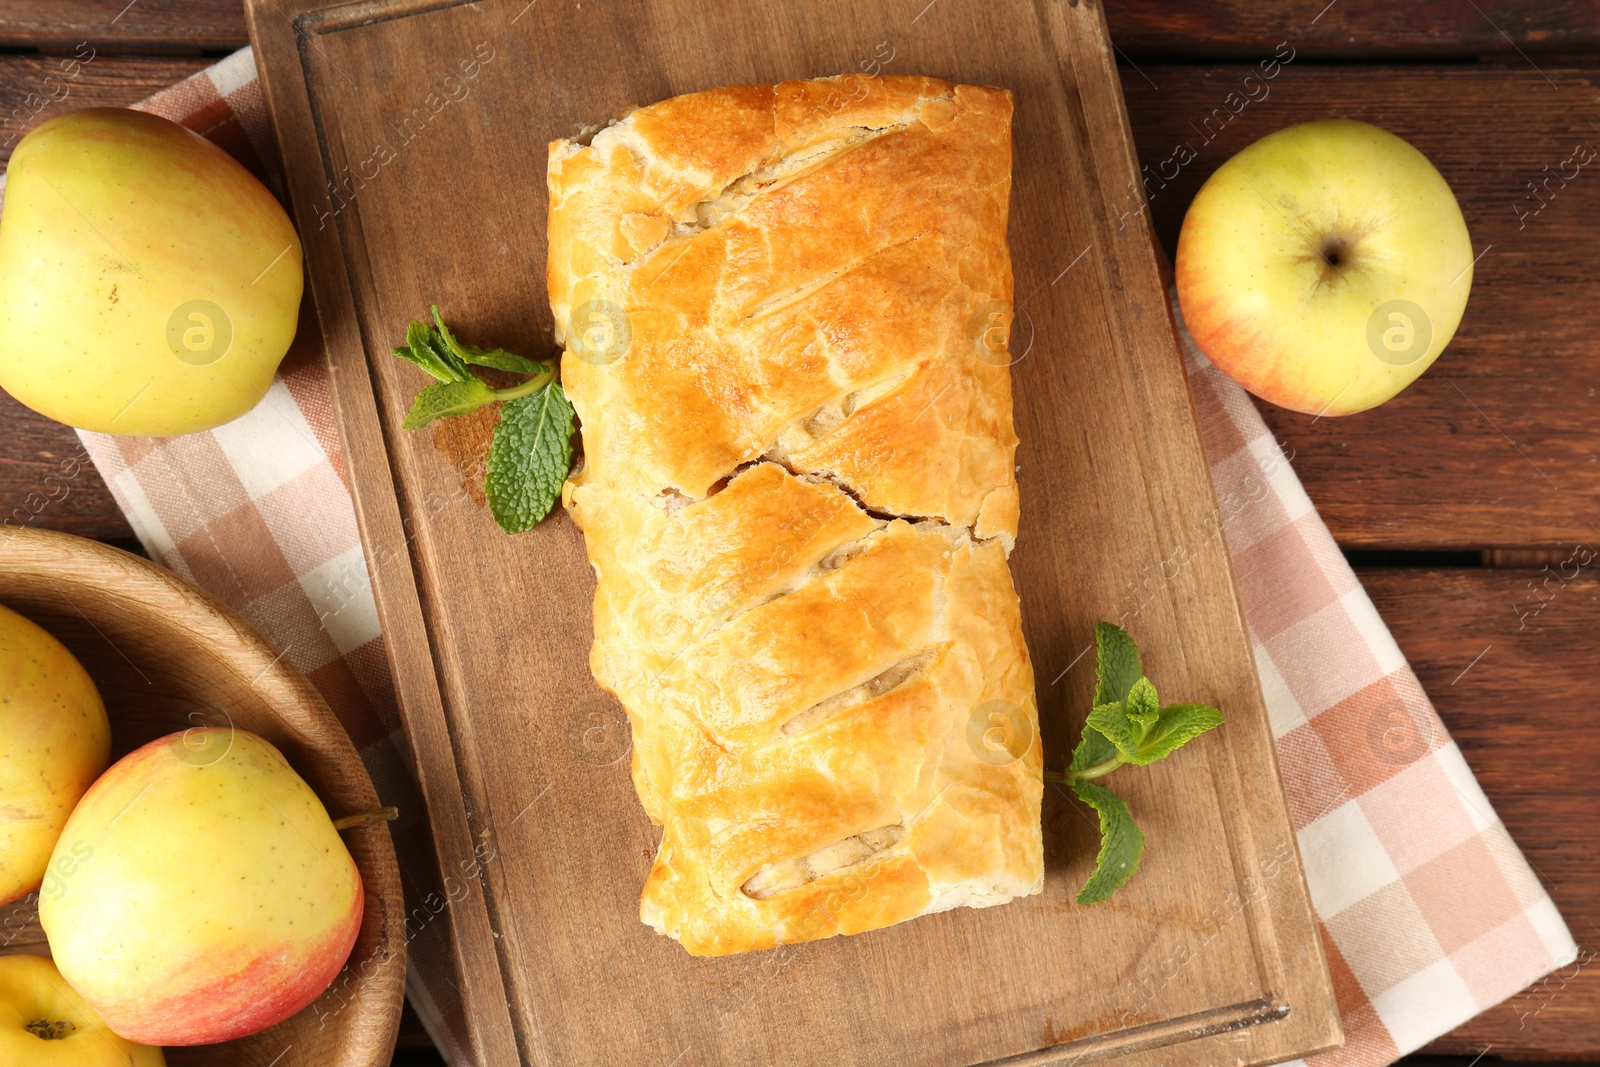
1429 912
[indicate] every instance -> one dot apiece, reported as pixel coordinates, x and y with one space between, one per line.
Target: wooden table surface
1458 501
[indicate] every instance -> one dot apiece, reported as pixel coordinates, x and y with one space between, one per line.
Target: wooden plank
1140 28
490 637
34 89
1494 445
1534 751
1247 29
167 26
47 480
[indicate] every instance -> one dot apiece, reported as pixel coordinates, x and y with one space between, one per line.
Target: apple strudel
783 311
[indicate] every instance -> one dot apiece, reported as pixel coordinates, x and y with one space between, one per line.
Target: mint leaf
424 356
532 448
1143 705
1116 664
427 349
1093 748
446 399
430 338
1127 725
1121 842
1112 721
498 358
1178 724
424 359
529 457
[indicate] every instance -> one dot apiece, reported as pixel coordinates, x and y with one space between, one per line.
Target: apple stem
388 814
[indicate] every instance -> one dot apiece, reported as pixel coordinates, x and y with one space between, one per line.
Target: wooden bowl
167 657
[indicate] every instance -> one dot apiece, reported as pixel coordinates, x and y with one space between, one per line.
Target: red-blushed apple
1325 266
199 891
43 1023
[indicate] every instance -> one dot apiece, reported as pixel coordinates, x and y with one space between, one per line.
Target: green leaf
1093 747
425 361
529 457
1116 665
423 356
441 351
1112 721
427 349
1127 722
1121 843
498 358
1177 725
445 399
1143 705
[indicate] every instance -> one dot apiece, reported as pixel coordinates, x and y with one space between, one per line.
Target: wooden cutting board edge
1307 989
1305 1001
273 35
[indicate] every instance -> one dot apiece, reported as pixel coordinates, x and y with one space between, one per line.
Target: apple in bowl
200 892
1325 266
54 742
43 1023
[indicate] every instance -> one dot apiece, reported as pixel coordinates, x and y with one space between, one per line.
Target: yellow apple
54 742
200 892
1325 266
149 284
43 1023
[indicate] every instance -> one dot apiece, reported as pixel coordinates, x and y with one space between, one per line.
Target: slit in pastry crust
835 558
829 417
789 165
893 677
775 878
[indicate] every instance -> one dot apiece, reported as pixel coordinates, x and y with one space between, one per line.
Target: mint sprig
1128 725
1121 842
529 458
532 447
444 399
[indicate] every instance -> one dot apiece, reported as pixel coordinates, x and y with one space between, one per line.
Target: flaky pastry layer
784 310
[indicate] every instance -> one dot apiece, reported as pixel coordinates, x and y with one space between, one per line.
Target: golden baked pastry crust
780 306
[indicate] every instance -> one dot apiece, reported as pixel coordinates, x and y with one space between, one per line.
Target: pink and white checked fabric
1429 912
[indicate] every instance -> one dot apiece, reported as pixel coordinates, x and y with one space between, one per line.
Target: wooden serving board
414 137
